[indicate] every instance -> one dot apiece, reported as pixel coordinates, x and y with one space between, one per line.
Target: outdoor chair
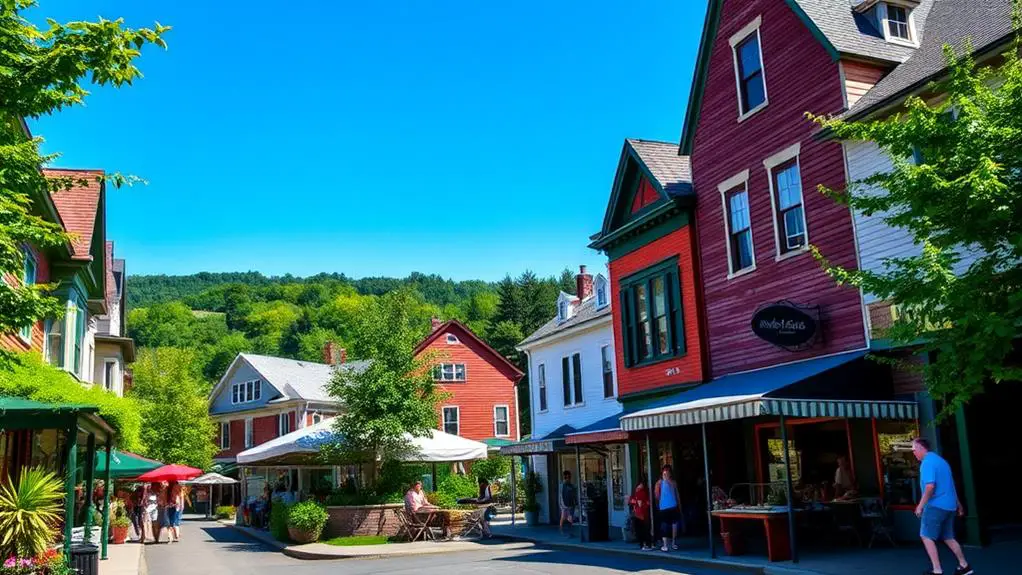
474 523
874 510
413 527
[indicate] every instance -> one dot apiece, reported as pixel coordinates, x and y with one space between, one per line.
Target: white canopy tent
301 447
209 480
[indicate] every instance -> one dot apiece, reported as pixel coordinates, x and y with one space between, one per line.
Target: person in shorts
668 506
567 496
938 507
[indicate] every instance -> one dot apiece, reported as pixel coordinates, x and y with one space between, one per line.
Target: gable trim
501 361
215 392
814 29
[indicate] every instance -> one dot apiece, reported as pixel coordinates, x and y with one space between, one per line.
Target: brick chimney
333 355
583 284
435 323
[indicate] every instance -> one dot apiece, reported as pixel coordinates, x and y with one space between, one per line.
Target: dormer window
562 310
897 23
452 339
892 18
602 298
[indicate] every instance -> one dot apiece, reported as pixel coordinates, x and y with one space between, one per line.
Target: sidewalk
324 551
123 559
908 558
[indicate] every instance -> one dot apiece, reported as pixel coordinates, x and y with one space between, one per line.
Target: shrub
307 516
225 512
29 513
493 468
278 520
118 514
532 488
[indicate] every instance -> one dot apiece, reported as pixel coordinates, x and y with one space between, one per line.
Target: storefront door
620 487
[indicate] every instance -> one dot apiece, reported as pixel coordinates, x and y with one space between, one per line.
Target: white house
572 385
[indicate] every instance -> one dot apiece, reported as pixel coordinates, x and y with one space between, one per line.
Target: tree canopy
956 187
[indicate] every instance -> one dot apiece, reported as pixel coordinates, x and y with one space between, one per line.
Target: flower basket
303 536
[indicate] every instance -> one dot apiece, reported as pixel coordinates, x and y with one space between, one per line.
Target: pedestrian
138 503
175 506
160 521
640 515
150 521
668 507
485 498
567 496
937 507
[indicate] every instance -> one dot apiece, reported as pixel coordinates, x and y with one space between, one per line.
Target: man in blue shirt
937 507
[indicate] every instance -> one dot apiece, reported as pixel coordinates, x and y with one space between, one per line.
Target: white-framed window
55 342
225 435
898 23
28 278
501 421
750 78
571 379
249 433
449 372
562 310
246 391
452 424
541 378
607 358
283 424
452 339
602 292
109 372
734 197
790 233
75 320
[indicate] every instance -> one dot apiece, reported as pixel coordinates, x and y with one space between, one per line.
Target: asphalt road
212 549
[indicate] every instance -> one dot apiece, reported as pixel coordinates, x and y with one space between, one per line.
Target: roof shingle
585 312
674 172
78 207
297 379
852 33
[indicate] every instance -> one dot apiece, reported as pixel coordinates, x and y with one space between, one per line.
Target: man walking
567 498
937 507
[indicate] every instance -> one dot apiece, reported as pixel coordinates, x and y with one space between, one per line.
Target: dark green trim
695 97
70 470
670 218
669 271
814 29
90 478
106 498
973 535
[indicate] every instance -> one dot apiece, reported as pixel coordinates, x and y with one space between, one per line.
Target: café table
775 524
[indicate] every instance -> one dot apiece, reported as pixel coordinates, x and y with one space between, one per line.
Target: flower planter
119 534
301 536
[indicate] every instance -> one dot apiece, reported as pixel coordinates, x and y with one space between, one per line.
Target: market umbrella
173 472
124 464
211 479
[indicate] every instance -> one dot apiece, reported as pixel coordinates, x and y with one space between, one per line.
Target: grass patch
358 540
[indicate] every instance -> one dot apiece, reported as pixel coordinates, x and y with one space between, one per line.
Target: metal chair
474 523
875 511
413 527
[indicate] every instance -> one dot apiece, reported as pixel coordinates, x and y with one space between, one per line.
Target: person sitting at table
415 500
485 498
844 479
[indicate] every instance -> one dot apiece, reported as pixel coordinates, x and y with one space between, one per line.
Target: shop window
652 323
898 466
775 461
665 454
617 476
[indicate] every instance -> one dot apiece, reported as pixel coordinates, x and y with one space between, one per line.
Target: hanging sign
787 325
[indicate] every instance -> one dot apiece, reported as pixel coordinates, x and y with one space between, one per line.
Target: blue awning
776 390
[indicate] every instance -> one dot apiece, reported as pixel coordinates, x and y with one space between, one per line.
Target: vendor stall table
775 523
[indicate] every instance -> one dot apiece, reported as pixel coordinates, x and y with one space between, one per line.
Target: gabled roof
78 206
987 23
838 28
292 378
585 312
465 334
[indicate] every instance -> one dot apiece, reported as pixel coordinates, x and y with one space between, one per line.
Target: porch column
70 467
787 485
649 486
973 535
434 477
514 492
107 488
709 495
578 491
90 472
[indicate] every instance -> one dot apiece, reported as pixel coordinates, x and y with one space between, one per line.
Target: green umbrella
125 464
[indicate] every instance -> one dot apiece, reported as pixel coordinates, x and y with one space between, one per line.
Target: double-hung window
791 227
652 317
571 379
249 433
501 425
225 435
283 424
608 371
449 372
541 377
55 342
748 60
28 278
897 23
451 420
738 224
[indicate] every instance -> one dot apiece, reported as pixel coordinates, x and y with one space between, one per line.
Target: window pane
739 206
661 334
258 389
794 231
741 250
459 372
542 387
659 303
789 187
754 93
748 56
577 365
608 371
645 337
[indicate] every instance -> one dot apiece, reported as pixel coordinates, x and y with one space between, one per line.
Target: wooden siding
859 78
800 77
485 386
687 368
13 341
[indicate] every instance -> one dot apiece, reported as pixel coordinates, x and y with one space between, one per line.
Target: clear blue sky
467 138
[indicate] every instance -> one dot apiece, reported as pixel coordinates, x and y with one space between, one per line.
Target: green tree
176 427
41 72
237 305
217 358
566 283
162 325
395 396
511 307
962 200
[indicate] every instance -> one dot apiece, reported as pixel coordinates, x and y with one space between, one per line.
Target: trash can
597 517
85 559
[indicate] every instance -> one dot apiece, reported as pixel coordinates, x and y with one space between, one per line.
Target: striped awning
729 408
532 447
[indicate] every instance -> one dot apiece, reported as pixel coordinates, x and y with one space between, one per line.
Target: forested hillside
216 316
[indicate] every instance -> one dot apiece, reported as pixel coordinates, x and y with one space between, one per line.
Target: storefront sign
787 325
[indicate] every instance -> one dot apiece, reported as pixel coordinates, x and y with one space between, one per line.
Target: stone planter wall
362 520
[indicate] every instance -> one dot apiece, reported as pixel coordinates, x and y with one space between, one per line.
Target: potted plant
305 521
532 488
30 513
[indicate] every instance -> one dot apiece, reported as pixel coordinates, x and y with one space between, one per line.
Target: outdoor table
775 524
428 517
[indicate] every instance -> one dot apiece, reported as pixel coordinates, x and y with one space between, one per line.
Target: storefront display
899 469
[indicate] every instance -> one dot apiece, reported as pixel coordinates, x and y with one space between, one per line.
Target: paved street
212 549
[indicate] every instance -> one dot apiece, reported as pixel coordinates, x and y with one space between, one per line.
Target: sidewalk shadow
235 540
620 563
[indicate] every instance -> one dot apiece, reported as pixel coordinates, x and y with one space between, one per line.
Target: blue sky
466 138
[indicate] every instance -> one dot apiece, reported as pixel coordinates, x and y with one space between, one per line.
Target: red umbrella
171 473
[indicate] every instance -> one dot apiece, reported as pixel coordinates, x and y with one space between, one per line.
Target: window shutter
577 368
626 319
566 380
677 312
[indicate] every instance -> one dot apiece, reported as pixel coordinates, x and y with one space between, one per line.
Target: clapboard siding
859 78
13 341
800 77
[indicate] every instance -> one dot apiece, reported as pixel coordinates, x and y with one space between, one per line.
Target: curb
143 567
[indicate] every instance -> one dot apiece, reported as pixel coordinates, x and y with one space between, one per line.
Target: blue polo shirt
937 471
